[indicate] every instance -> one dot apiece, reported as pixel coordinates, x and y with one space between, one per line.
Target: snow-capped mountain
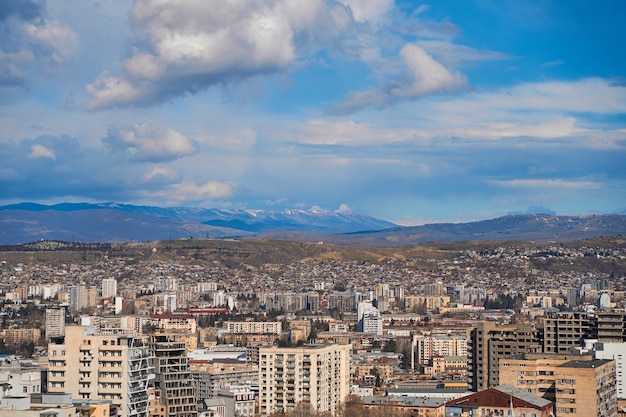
26 222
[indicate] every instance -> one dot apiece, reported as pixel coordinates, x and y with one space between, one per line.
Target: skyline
408 112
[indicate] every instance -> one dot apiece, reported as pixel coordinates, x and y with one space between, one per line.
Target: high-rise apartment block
101 366
567 330
586 388
616 352
55 322
535 372
489 342
425 347
109 288
173 377
369 319
316 374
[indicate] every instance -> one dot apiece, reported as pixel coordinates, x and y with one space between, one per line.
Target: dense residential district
493 332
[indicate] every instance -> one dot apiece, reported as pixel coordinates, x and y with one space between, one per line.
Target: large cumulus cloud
183 47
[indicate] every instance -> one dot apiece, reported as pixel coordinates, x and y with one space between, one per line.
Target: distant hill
521 227
112 222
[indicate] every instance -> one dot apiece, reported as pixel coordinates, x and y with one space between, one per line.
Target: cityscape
312 208
463 329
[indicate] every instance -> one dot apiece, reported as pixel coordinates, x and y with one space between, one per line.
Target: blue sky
412 112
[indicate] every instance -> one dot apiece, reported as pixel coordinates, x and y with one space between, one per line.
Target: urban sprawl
497 331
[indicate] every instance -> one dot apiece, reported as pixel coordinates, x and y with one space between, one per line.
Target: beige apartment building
580 387
101 366
252 327
317 374
535 372
586 388
17 336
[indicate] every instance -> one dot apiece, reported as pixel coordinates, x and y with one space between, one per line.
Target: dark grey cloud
22 9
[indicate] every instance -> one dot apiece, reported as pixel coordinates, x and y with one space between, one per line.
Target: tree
352 407
390 346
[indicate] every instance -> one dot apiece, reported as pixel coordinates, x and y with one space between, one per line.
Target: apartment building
425 347
101 366
254 327
17 336
586 388
567 330
173 377
109 287
489 342
208 379
19 380
583 386
55 322
317 374
238 401
617 352
535 372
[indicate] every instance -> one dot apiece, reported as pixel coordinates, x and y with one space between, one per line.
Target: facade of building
586 388
252 327
16 380
173 377
617 352
567 330
317 374
101 366
489 342
208 381
534 372
55 322
369 319
425 347
109 288
17 336
238 401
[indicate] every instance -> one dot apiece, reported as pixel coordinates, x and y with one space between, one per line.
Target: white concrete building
369 318
109 288
318 374
238 401
101 366
617 352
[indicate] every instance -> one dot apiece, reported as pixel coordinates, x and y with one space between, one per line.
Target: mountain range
112 222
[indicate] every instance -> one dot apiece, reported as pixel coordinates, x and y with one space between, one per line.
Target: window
25 389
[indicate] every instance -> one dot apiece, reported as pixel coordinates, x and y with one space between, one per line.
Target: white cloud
40 151
552 63
111 91
344 209
589 95
545 183
211 190
147 143
235 139
369 10
454 55
195 44
159 172
429 76
61 40
559 128
419 75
